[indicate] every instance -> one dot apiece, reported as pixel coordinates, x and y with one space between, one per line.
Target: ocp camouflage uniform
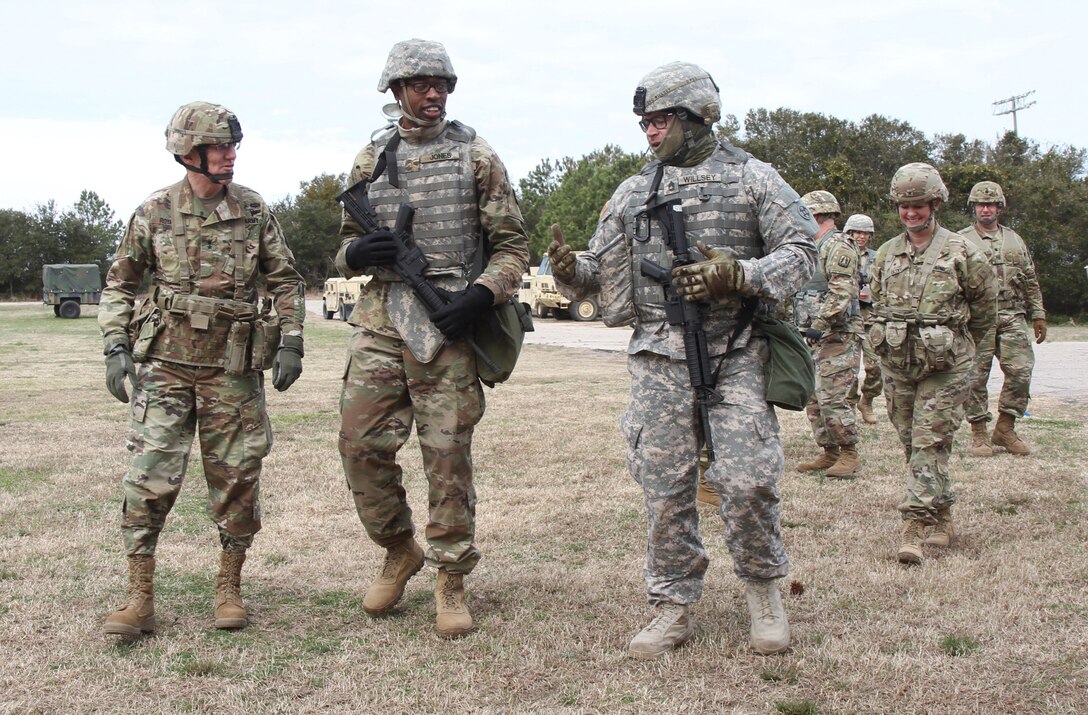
183 381
872 385
729 200
928 311
400 367
1010 339
838 353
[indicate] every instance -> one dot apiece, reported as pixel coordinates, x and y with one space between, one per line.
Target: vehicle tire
329 314
69 309
584 310
541 311
345 311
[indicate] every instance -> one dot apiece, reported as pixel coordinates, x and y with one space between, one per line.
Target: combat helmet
201 123
417 58
986 192
917 181
679 85
859 222
821 202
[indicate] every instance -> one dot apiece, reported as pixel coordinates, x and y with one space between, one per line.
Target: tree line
1046 191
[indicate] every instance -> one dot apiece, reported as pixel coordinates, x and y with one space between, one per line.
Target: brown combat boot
138 615
454 618
847 466
1005 436
865 409
230 612
402 562
943 532
706 494
980 441
914 531
829 457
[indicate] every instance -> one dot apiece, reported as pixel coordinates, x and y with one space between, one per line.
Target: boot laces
665 618
766 608
450 588
391 565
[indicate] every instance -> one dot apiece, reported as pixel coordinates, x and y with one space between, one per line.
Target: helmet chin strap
202 150
406 110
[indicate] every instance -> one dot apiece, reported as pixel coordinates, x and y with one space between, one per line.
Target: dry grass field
997 624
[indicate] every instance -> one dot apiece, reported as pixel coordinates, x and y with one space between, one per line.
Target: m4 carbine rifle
684 313
410 263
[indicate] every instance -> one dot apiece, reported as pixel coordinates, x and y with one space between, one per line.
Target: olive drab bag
791 374
499 333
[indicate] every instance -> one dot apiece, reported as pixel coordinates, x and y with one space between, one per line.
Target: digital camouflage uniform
182 385
729 200
1010 339
838 353
400 367
929 308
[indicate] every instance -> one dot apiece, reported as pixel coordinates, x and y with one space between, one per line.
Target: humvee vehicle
340 296
67 286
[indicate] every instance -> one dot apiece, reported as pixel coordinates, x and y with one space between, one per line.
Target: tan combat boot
454 619
865 409
1005 436
914 531
770 631
138 615
980 441
706 494
402 562
829 457
670 629
943 532
847 466
230 612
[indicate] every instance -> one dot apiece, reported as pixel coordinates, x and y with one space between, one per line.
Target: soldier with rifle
436 224
686 252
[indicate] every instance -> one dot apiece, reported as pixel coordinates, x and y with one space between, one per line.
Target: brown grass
998 624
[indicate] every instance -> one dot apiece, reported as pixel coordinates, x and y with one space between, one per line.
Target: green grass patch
796 707
958 645
18 481
780 673
190 664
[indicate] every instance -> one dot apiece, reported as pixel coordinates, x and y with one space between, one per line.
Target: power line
1012 105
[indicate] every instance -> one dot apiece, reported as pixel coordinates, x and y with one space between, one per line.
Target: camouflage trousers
170 403
872 384
1010 342
664 437
830 412
385 390
926 412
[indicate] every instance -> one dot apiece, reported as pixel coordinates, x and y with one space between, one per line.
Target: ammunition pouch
144 328
266 339
237 362
936 353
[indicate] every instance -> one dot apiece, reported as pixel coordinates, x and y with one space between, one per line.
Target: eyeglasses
225 148
420 86
660 121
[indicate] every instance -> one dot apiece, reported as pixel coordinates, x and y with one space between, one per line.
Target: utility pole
1012 105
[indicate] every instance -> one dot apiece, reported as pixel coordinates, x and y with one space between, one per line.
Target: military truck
545 300
67 286
341 295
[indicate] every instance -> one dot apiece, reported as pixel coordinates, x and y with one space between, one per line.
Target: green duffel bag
499 333
791 374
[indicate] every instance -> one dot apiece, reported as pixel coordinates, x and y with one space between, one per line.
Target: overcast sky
88 87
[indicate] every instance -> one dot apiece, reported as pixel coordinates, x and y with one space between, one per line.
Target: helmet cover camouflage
679 85
859 222
917 182
417 58
821 202
986 192
199 123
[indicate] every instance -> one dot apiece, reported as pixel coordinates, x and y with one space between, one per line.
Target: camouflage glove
287 366
119 366
455 317
562 257
374 249
1039 326
712 279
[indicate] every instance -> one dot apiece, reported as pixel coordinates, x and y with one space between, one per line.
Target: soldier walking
861 228
1018 300
754 244
933 299
407 365
195 352
833 329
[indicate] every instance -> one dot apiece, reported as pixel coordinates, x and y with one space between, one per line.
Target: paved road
1061 369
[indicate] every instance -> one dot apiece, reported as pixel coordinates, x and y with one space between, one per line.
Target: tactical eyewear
660 121
420 86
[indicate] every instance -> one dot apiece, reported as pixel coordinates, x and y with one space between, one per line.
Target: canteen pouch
237 362
936 343
889 340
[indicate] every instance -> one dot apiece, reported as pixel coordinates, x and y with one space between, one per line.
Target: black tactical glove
454 318
813 335
119 366
373 249
287 365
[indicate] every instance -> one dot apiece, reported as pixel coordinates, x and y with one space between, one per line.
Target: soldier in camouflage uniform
755 244
933 299
406 365
835 335
199 344
1018 295
861 228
